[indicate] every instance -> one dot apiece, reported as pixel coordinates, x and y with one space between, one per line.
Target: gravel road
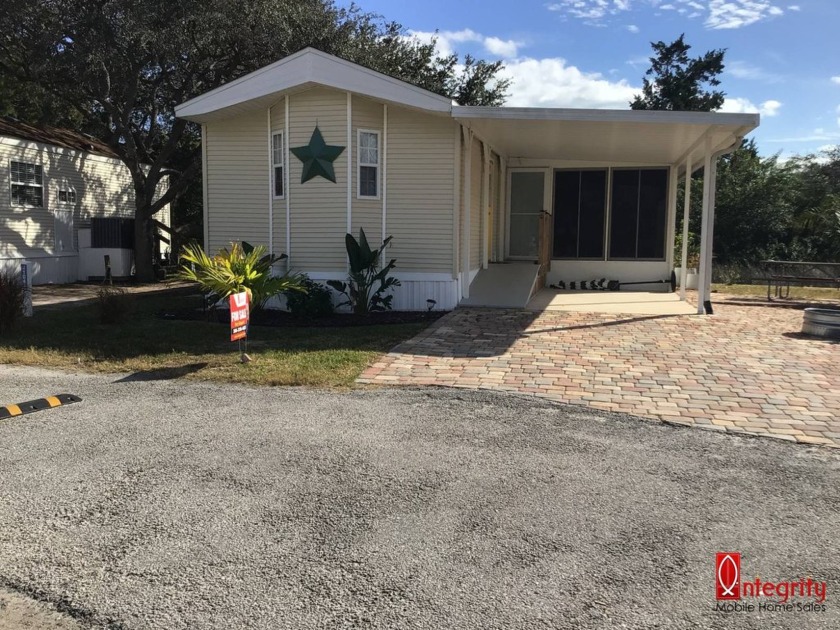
171 504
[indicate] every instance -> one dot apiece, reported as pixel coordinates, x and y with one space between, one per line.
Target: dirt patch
23 613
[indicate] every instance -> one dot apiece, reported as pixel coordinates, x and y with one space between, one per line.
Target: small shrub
113 304
243 267
368 285
11 299
315 302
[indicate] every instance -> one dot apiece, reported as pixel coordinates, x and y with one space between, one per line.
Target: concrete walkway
745 370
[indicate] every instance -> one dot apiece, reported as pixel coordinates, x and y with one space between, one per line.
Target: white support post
503 209
686 214
349 163
705 233
707 275
270 185
672 213
465 237
384 149
485 202
286 189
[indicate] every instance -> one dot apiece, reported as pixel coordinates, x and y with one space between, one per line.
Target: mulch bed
284 319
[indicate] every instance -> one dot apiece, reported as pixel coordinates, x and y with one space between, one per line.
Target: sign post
239 315
26 281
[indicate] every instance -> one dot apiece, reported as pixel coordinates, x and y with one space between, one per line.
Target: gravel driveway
165 504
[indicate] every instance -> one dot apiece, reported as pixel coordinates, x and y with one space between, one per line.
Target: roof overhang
600 135
308 68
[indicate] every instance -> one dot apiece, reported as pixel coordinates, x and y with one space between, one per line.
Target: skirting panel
47 269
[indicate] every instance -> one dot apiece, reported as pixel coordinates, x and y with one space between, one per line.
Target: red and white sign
728 575
239 314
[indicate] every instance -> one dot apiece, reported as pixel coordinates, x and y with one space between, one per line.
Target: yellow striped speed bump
10 411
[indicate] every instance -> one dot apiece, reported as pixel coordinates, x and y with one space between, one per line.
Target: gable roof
55 136
308 68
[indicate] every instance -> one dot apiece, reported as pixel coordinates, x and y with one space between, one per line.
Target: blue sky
782 59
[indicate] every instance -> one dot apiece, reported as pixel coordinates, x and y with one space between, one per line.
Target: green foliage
368 285
240 268
679 82
113 304
11 299
314 301
122 67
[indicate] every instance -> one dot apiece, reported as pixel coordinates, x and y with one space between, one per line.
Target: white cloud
632 28
818 135
591 11
446 40
726 14
506 48
745 70
554 83
794 7
835 80
738 105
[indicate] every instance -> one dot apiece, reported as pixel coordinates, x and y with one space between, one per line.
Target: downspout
706 273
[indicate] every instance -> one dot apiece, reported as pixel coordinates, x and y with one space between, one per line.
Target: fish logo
728 575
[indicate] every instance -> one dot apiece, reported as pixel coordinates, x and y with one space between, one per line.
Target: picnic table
782 273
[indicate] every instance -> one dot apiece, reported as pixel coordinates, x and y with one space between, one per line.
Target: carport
588 194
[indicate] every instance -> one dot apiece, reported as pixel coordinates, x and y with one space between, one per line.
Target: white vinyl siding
102 187
318 207
237 181
278 126
420 180
367 212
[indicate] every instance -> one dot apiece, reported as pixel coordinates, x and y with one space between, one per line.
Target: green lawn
796 293
74 338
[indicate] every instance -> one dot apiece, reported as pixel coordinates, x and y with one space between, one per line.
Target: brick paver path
746 369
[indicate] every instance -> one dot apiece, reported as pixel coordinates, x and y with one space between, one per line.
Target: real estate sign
239 314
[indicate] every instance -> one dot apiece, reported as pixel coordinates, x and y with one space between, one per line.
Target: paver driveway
745 369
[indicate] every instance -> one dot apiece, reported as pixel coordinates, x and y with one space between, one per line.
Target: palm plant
243 267
368 283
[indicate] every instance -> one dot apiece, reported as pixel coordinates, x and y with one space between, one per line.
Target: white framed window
277 164
27 184
64 241
67 195
368 164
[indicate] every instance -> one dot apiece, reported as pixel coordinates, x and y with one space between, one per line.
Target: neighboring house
589 193
57 181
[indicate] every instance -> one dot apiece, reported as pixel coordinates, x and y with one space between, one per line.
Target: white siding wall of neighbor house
103 189
237 181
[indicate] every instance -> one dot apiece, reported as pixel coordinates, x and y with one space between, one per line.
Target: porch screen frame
668 184
607 215
547 200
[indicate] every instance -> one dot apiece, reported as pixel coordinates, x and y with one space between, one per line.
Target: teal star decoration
317 158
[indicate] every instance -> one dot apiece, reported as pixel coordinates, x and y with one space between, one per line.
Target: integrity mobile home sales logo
735 594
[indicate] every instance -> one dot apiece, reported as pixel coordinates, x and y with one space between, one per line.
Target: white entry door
527 200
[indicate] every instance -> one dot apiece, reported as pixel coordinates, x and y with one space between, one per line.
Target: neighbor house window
27 184
638 210
580 204
368 163
277 163
66 195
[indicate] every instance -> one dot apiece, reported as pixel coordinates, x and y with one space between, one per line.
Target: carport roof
600 135
588 135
